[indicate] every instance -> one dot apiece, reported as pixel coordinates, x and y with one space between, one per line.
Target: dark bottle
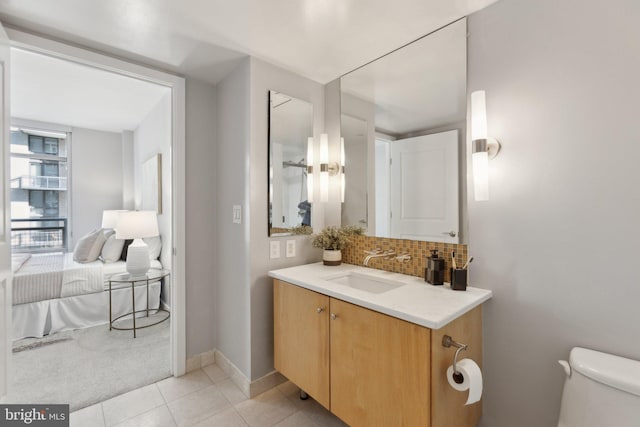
434 273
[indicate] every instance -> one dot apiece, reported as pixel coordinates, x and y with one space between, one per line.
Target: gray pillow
112 249
89 246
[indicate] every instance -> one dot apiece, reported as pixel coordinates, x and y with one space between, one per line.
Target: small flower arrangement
335 238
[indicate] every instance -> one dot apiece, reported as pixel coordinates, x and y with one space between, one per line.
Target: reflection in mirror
403 124
290 126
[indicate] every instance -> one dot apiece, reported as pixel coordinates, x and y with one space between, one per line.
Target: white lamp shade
310 174
110 218
137 225
480 162
478 115
324 160
342 161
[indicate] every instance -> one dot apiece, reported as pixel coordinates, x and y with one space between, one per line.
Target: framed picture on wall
152 184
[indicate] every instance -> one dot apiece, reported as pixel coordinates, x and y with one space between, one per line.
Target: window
39 191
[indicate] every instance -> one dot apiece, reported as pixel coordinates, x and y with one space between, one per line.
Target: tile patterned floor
203 398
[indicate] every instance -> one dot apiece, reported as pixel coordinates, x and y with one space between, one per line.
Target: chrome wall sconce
483 147
327 168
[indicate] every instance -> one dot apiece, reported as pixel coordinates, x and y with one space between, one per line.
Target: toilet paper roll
472 379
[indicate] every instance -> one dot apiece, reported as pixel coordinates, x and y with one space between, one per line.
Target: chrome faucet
377 253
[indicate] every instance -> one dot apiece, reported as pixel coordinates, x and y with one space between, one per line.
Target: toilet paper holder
447 341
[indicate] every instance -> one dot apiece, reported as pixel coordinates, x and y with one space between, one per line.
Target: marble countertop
415 301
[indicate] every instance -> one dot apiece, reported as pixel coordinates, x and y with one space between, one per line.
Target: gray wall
128 181
265 77
557 241
232 174
96 179
201 216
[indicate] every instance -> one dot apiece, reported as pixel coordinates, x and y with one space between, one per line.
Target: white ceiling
52 90
319 39
418 87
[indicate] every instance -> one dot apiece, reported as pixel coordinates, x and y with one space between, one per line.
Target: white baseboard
249 388
200 361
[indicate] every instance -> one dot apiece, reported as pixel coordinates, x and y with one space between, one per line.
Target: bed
53 293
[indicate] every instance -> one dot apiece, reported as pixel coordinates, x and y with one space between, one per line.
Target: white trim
102 61
250 388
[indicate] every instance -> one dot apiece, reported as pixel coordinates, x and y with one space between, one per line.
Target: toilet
600 390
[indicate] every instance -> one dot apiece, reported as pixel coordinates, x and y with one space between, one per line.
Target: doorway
174 158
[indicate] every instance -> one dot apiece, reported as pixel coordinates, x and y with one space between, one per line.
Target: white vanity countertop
417 301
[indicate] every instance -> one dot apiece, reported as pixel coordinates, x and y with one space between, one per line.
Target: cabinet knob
334 316
319 309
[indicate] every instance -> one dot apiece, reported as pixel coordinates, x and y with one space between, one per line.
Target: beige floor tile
176 387
197 406
231 391
131 404
215 373
91 416
157 417
289 389
318 414
267 409
298 419
227 418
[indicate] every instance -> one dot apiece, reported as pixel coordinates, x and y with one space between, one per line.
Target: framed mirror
403 120
290 126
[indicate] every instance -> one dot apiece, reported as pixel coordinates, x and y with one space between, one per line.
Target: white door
424 187
5 229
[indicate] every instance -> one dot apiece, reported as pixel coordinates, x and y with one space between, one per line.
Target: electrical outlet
274 249
291 248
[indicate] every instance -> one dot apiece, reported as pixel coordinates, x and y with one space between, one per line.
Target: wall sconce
342 181
483 147
326 169
310 169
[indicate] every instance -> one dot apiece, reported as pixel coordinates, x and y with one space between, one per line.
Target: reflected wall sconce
342 181
483 147
326 169
310 169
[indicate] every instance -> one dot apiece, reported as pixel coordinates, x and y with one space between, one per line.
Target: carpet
88 366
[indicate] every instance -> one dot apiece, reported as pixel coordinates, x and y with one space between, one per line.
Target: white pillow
88 247
155 245
112 249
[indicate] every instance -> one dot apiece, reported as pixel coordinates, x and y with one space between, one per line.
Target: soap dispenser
434 273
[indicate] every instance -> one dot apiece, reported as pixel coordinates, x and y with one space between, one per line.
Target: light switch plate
237 214
291 248
274 249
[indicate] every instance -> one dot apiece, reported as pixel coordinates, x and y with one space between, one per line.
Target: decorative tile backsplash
419 251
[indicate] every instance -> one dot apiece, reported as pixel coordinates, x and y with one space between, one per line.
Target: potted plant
333 240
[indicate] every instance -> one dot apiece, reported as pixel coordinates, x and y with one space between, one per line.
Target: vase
331 257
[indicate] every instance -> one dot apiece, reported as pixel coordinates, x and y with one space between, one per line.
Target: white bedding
57 275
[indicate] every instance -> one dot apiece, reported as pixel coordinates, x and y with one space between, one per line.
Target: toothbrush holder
459 279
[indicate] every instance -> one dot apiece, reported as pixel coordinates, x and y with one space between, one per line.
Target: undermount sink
365 282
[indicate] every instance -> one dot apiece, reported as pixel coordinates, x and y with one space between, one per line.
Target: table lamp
137 225
110 218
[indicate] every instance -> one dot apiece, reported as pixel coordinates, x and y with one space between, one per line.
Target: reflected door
424 178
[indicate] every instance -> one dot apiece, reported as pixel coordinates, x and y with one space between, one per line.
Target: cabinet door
301 338
380 368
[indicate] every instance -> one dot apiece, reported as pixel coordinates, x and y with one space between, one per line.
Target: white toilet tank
602 390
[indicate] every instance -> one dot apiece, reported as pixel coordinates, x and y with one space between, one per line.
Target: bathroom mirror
403 120
290 126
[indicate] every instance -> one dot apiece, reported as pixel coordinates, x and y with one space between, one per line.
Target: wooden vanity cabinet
368 368
301 338
380 368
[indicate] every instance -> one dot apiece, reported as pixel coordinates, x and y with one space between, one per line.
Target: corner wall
557 241
232 184
201 216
